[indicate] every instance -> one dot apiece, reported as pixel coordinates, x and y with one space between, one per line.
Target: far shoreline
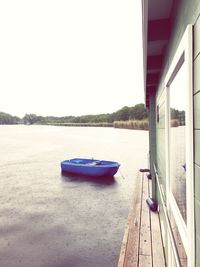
131 124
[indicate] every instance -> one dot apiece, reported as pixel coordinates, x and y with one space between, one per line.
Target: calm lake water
51 220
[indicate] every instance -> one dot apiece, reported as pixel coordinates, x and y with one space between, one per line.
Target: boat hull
90 167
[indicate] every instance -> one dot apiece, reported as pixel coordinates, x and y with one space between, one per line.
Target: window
179 152
177 143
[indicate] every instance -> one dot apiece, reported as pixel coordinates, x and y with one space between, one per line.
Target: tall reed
132 124
88 124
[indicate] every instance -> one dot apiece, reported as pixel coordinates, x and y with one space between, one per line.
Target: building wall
185 12
188 12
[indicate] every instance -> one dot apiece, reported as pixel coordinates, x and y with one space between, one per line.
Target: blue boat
90 167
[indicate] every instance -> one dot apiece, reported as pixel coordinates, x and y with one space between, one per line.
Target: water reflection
96 181
178 142
177 154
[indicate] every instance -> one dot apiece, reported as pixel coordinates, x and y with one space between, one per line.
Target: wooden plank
197 37
123 247
159 30
197 110
154 62
197 191
131 257
158 258
145 261
142 243
152 78
145 235
197 146
157 245
196 74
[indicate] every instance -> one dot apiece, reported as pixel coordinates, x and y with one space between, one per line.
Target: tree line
6 118
138 112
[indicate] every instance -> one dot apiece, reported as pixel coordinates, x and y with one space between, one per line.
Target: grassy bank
99 124
131 124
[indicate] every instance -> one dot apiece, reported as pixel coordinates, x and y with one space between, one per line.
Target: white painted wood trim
171 247
187 232
190 146
167 144
179 221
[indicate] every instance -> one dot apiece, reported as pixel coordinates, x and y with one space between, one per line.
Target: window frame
182 56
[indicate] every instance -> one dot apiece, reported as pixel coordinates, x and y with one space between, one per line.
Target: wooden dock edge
130 245
142 243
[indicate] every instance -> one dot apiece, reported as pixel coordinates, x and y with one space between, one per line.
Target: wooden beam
154 62
152 78
159 30
151 89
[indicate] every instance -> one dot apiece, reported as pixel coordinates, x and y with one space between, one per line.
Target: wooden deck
142 243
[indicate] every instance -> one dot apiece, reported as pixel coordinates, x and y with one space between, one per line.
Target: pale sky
70 57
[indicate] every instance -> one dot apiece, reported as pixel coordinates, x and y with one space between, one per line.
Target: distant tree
30 119
6 118
122 114
138 112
